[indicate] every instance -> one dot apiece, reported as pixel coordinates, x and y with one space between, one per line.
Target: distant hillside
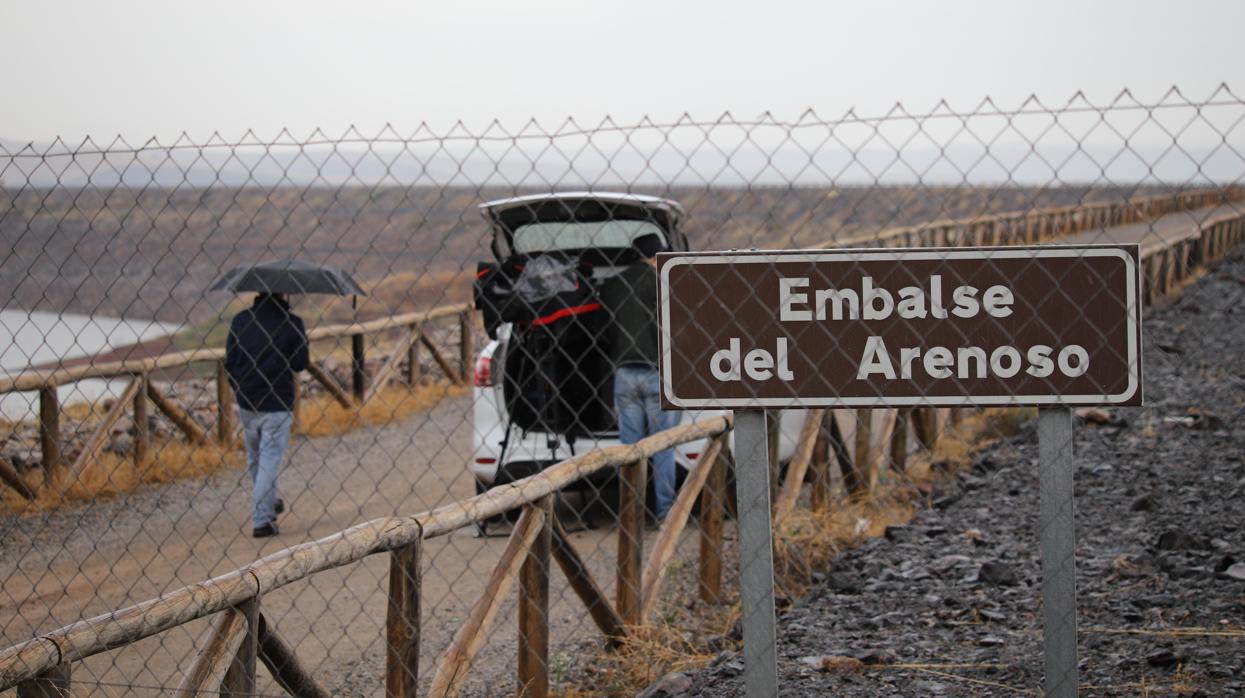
151 253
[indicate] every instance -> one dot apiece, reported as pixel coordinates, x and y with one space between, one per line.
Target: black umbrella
288 276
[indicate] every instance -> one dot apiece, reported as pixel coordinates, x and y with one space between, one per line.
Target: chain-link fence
461 481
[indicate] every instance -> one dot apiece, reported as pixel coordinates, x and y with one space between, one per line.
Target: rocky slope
951 603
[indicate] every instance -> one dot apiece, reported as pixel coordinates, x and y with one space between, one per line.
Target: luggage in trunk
557 377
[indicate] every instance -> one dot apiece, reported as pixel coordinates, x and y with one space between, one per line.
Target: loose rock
835 664
1235 571
1163 658
1176 539
998 574
673 685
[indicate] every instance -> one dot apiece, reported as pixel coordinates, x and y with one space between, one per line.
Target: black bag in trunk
558 378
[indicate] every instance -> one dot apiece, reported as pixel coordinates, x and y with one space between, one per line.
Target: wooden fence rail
1033 227
240 635
31 659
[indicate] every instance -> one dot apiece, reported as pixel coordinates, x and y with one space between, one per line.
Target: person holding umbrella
267 346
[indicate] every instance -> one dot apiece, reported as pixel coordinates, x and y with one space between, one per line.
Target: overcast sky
158 68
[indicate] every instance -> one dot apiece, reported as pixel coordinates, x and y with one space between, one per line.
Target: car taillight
484 372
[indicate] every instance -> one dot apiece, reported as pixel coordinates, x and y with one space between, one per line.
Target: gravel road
1160 544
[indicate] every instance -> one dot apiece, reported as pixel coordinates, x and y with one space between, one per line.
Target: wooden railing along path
141 391
240 637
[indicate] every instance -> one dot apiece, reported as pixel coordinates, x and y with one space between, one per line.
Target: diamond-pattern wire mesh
112 243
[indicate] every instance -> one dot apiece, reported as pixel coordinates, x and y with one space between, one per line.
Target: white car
542 395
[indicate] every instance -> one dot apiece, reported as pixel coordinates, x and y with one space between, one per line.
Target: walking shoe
267 530
280 507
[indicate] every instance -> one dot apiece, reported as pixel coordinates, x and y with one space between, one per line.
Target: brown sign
1054 325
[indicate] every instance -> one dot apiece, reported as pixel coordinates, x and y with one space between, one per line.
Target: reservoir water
37 338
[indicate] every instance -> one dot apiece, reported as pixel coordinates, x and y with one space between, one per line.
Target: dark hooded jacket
631 298
267 345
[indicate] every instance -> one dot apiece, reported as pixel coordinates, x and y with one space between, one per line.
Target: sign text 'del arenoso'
1053 325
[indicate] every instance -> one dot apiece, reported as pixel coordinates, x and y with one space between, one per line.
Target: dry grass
109 474
323 416
1018 690
651 651
1184 682
1169 632
807 542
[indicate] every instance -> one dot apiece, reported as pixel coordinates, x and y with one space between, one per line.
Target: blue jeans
637 398
267 436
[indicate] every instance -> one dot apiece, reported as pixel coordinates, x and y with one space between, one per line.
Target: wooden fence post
224 405
177 415
899 443
631 488
414 371
925 425
534 611
466 345
456 660
712 514
50 431
852 479
142 432
358 371
216 656
53 683
10 477
284 666
402 626
452 374
585 586
99 437
820 493
864 444
240 678
335 389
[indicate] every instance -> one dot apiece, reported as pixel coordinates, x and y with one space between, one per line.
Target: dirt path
61 566
65 565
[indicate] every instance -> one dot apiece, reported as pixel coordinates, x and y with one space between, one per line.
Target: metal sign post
1058 543
756 554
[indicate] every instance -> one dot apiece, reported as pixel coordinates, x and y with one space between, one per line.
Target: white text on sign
798 303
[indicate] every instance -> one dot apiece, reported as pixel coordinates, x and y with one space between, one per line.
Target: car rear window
543 237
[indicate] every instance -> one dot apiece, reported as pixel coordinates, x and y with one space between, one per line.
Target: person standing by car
631 298
267 346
